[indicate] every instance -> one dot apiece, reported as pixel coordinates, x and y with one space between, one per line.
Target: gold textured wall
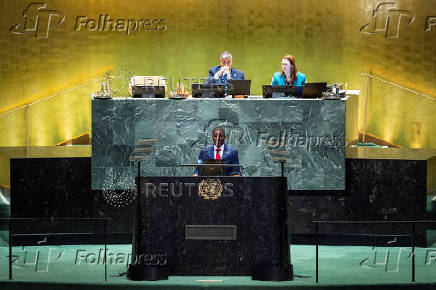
51 63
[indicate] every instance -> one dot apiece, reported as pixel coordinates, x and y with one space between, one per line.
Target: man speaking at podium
220 151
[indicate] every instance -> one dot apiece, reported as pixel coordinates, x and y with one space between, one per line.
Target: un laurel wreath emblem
210 188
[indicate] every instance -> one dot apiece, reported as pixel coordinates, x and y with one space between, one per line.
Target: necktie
224 80
217 155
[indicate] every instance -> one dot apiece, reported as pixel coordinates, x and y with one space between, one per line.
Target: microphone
226 71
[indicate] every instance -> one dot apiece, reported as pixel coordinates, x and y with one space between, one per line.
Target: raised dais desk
310 134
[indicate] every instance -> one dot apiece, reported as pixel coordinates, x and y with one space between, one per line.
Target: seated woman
289 76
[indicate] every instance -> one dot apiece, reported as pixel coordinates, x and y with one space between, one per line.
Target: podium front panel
238 221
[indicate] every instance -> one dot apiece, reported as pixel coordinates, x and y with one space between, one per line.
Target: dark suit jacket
235 75
230 156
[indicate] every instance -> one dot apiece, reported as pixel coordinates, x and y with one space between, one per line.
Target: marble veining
309 134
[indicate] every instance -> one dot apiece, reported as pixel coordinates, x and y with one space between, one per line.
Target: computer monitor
239 87
314 90
208 91
216 170
270 91
148 91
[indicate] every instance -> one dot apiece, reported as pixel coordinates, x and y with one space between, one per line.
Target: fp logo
387 19
38 20
38 257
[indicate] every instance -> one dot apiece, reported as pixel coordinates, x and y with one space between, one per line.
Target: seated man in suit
219 75
220 151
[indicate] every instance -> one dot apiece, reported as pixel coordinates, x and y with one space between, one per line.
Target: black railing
412 236
105 220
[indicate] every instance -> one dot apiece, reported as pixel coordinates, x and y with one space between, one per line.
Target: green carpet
74 267
4 238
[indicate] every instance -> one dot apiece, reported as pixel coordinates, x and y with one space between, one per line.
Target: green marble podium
308 133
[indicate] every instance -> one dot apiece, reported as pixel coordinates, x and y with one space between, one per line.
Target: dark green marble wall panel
310 134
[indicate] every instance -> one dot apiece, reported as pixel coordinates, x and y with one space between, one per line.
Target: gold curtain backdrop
54 53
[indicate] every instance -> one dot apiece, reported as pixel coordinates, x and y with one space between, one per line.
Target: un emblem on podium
210 188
